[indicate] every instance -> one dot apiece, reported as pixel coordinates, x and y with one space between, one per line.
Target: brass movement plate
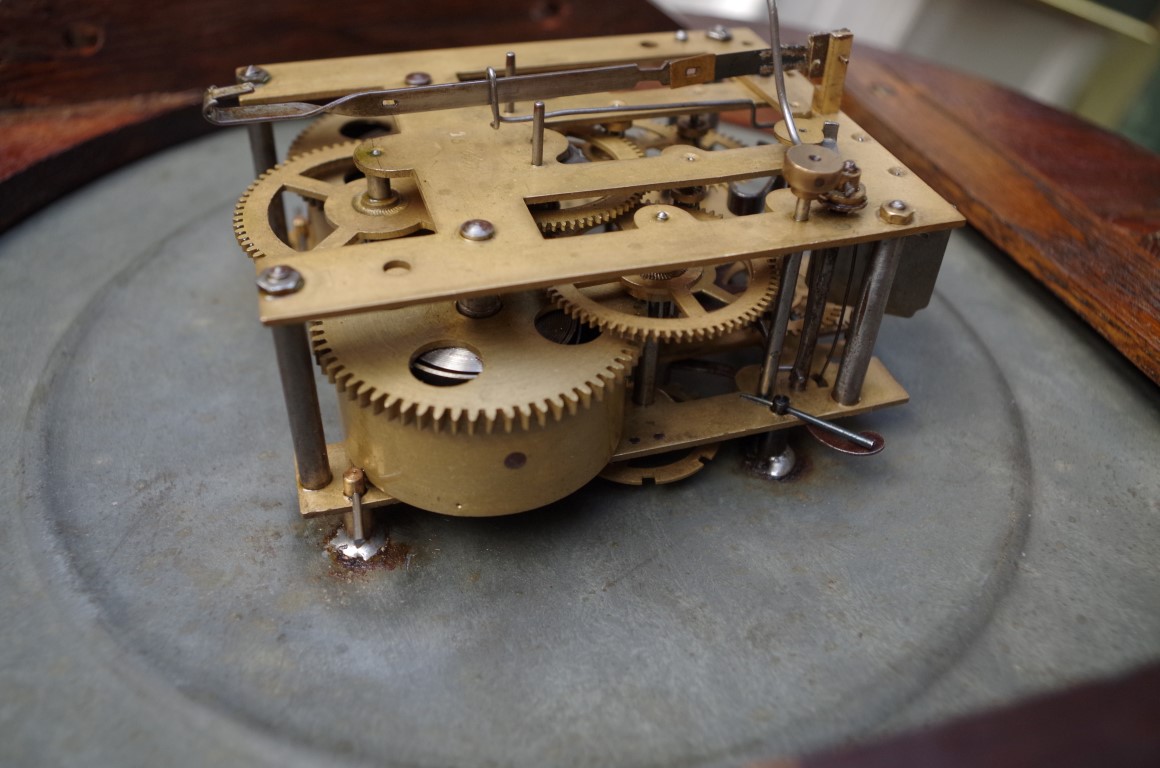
668 426
464 169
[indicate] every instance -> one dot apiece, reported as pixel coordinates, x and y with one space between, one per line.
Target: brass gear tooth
556 406
505 418
542 413
423 417
342 380
584 394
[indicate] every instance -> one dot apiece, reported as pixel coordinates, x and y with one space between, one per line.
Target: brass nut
279 280
896 212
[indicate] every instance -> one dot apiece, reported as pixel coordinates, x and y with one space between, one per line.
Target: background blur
1098 58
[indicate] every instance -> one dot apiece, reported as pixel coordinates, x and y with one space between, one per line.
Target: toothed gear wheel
575 216
703 211
525 379
662 469
338 129
320 177
652 136
476 417
708 301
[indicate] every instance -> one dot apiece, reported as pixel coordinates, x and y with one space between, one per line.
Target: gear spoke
336 239
687 303
315 189
717 293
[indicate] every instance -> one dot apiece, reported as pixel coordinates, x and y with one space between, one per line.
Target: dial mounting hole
396 268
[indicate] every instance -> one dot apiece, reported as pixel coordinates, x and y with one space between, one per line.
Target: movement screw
253 74
477 229
279 280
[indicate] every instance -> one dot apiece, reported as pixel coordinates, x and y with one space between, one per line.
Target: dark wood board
75 51
86 87
1107 723
1076 206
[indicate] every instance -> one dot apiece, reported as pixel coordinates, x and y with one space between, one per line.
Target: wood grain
75 51
1107 723
1076 206
86 87
50 151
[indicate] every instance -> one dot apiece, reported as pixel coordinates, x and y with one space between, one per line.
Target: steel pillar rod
645 381
867 320
819 278
779 323
297 372
538 133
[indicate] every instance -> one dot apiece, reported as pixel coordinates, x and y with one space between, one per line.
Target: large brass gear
534 421
329 130
320 176
708 301
575 216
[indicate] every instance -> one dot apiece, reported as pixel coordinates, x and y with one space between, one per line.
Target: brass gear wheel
320 177
708 301
652 136
663 469
338 129
576 216
475 417
527 379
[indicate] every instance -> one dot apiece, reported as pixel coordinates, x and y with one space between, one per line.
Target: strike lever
827 432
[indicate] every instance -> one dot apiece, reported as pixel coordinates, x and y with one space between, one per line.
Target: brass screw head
896 212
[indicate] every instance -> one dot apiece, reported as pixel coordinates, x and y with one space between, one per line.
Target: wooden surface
88 85
48 151
1109 723
1074 205
74 51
